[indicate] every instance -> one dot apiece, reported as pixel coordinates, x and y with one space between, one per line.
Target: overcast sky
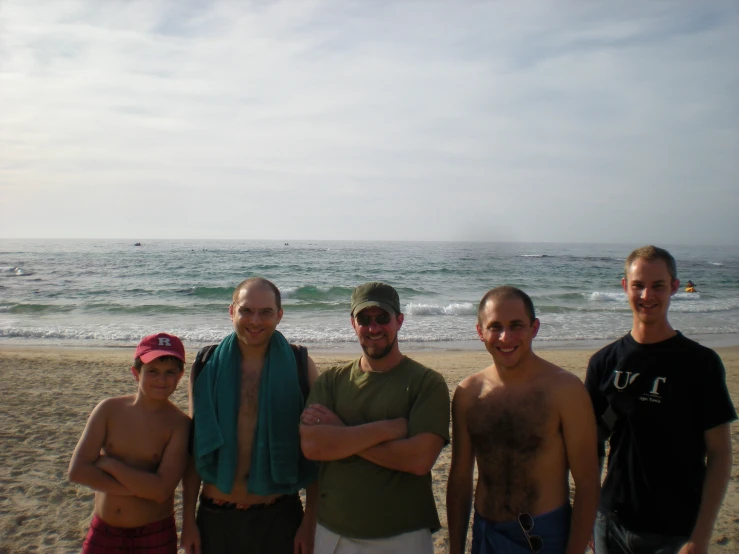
390 120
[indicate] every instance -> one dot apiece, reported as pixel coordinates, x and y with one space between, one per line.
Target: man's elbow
423 464
420 469
460 480
588 485
310 451
721 459
314 451
308 444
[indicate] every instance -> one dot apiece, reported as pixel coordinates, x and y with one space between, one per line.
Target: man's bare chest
249 399
512 425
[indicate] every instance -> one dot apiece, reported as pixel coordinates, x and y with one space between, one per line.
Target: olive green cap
375 294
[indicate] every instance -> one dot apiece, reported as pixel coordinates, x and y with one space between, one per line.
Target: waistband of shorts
554 517
153 527
217 504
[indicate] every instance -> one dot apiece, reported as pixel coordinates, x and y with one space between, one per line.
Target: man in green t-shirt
377 425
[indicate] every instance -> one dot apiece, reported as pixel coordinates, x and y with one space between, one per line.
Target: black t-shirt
656 464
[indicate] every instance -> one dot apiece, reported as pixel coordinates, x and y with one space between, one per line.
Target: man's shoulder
689 345
612 350
559 376
420 370
475 381
564 386
692 354
471 387
338 370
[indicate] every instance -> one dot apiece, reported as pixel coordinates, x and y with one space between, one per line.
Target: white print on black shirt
622 379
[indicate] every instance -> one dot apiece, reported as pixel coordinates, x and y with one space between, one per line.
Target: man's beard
384 352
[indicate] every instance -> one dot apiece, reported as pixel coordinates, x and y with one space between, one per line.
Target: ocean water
111 293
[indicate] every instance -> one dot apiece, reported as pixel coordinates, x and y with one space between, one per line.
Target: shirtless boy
133 453
527 423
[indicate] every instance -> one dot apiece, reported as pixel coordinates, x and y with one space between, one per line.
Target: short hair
651 253
262 282
507 293
138 364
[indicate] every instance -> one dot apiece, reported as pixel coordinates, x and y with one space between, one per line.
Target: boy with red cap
133 452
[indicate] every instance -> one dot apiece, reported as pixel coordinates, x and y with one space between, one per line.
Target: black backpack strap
201 358
301 357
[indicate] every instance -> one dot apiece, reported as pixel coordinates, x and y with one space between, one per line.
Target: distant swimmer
690 287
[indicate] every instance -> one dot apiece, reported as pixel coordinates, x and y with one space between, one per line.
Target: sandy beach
48 393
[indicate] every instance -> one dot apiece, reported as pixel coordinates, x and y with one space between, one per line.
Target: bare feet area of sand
47 395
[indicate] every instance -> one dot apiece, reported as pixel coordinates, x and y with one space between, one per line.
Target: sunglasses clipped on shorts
526 521
380 319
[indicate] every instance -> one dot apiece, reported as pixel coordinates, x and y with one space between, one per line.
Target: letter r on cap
164 341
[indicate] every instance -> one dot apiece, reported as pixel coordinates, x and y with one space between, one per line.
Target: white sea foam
687 296
103 301
605 296
706 306
454 308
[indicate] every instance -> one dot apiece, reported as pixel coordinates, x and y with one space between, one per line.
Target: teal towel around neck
216 403
277 463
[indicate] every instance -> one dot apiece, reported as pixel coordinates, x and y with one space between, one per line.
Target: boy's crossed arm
82 467
112 476
160 485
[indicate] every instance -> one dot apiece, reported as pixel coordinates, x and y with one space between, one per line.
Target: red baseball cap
155 346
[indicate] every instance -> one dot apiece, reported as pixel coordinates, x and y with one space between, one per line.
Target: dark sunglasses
364 319
527 525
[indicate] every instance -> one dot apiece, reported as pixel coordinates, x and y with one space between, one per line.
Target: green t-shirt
360 499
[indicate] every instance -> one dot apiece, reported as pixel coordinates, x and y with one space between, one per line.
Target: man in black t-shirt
665 401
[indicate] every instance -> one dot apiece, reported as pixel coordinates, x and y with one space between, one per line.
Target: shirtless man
143 439
526 422
241 509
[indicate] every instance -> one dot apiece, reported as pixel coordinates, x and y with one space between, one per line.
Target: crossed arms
325 437
112 476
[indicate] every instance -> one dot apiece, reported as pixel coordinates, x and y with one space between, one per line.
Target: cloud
387 120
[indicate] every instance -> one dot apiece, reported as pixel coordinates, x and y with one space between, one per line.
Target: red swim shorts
155 538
